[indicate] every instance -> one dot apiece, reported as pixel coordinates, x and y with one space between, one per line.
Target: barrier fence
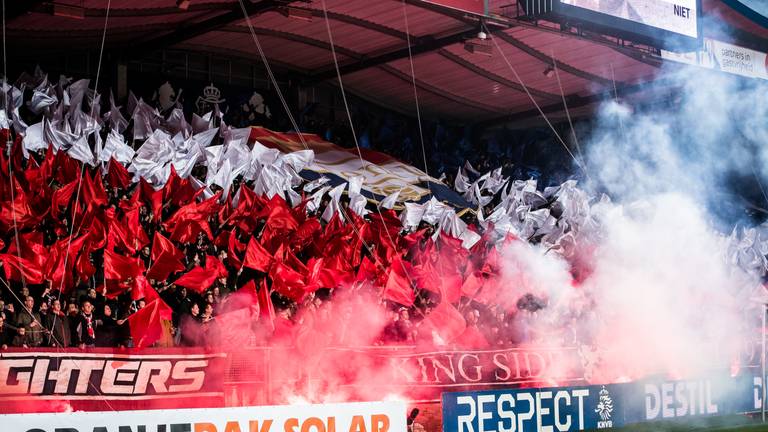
480 391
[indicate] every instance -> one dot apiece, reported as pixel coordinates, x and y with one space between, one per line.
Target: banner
724 57
445 369
347 417
416 375
129 379
382 174
600 406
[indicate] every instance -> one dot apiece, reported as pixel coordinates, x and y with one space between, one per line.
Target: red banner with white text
106 379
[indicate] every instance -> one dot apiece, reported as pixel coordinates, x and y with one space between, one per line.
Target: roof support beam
294 37
565 67
496 78
439 92
355 55
207 25
359 22
421 46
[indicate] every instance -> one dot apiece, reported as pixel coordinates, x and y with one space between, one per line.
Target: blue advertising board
560 409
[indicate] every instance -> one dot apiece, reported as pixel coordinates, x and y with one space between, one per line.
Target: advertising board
578 408
669 24
342 417
724 57
118 379
678 16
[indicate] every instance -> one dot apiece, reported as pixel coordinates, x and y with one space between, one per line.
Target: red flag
244 297
450 288
186 231
83 265
472 284
306 233
367 271
32 248
15 267
119 237
199 278
287 282
245 214
118 176
93 190
234 247
194 211
256 257
265 305
161 244
146 324
148 195
213 265
177 190
279 216
55 270
118 267
320 276
196 279
232 331
65 168
25 216
398 288
61 198
136 234
445 322
163 266
141 288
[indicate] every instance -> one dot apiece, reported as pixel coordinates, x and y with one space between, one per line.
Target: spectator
57 327
472 337
107 334
189 327
29 320
404 328
87 323
6 337
21 340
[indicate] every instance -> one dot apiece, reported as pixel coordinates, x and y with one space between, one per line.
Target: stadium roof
370 41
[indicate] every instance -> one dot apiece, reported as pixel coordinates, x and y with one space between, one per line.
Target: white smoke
662 294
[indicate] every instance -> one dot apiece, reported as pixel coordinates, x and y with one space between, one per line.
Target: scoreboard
670 24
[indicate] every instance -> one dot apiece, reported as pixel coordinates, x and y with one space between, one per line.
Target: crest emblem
604 405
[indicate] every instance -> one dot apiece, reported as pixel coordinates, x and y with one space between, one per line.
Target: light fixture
548 72
482 35
182 4
297 13
69 11
477 46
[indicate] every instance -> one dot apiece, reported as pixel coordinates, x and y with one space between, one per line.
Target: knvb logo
604 409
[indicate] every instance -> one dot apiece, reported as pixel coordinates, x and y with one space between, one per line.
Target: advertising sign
553 409
724 57
678 16
113 376
348 417
578 408
668 24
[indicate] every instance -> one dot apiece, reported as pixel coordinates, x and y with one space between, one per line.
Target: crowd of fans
89 315
41 316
